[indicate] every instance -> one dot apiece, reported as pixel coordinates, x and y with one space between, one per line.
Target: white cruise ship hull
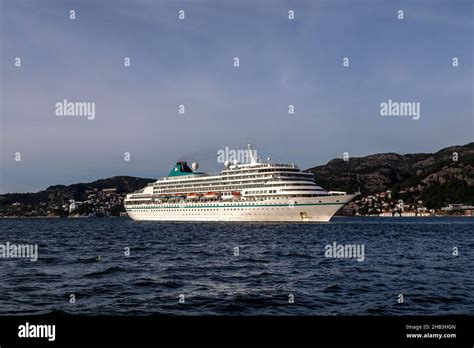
312 209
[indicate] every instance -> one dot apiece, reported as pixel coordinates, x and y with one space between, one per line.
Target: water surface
409 256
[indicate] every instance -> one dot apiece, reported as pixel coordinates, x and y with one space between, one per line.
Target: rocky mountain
438 179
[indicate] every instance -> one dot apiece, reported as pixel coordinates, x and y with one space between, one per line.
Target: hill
54 201
438 179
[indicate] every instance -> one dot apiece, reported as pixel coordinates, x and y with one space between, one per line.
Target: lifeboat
192 196
163 197
236 194
226 196
211 195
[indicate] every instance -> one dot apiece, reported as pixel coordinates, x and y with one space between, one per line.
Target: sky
190 62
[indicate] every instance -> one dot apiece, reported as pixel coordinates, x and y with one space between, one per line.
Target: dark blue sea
275 262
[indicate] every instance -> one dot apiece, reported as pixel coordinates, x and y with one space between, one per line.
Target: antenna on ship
253 160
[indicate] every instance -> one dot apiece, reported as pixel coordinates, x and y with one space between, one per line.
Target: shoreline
338 216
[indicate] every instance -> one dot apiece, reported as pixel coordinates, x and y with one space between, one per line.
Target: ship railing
337 193
189 177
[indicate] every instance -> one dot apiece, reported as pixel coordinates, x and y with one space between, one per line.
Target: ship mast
253 160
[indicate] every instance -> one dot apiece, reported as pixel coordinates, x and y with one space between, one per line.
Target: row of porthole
240 204
224 205
204 209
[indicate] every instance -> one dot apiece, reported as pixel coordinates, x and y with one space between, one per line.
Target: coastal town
383 204
98 203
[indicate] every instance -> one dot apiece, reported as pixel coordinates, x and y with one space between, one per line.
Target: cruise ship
253 191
